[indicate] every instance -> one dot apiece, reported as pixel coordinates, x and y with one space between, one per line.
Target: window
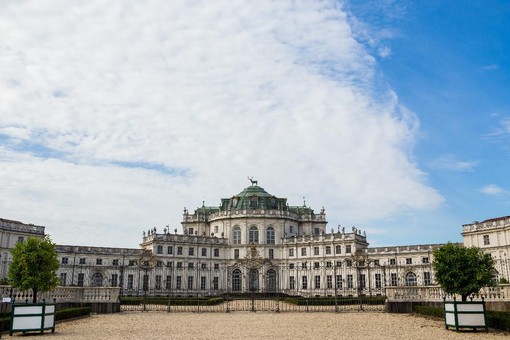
157 282
291 229
316 250
132 262
253 236
191 251
303 265
271 254
82 260
96 280
426 278
393 262
362 281
393 278
179 250
237 235
411 279
169 264
236 280
215 229
329 264
424 260
304 282
216 252
338 281
168 282
348 249
303 251
21 239
348 263
253 202
338 249
409 260
178 282
202 282
190 231
291 265
160 249
378 283
486 240
270 235
130 281
349 281
216 283
317 282
376 262
316 265
145 282
81 278
361 263
329 281
159 264
179 265
99 262
328 250
292 282
65 260
63 277
170 250
291 252
316 231
216 266
236 253
204 265
204 251
190 265
115 262
338 263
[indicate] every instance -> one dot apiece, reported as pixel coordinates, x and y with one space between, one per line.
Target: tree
33 266
461 270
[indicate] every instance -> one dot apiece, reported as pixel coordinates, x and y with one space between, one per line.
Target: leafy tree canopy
33 266
461 270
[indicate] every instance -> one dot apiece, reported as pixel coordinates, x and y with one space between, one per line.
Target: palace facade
257 242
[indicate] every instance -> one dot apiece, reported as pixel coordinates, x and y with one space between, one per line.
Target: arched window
253 202
411 279
270 235
271 281
236 280
97 280
236 235
253 236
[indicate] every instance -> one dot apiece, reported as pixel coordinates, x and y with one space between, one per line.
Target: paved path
260 325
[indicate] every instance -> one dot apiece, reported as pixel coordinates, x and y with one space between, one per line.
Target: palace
257 242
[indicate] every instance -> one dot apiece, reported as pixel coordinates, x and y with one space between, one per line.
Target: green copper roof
254 190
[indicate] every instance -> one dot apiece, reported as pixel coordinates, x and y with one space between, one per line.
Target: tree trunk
464 297
35 295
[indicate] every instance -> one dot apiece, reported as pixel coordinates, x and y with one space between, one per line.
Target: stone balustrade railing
436 293
66 294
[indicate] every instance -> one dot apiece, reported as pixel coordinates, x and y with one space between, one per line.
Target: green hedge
331 301
69 313
61 314
174 301
497 320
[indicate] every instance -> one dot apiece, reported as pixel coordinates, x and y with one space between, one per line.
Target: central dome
254 190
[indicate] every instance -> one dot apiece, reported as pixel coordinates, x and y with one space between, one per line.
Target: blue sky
450 65
393 115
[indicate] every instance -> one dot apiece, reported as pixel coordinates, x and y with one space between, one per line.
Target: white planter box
32 317
465 315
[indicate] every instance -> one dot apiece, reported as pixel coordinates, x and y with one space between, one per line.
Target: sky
392 115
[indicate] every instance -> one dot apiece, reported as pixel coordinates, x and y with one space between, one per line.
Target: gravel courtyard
245 325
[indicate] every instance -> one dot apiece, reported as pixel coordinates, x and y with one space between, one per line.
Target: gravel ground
261 325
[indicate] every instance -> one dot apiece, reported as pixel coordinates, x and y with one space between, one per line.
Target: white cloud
492 190
451 163
126 112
